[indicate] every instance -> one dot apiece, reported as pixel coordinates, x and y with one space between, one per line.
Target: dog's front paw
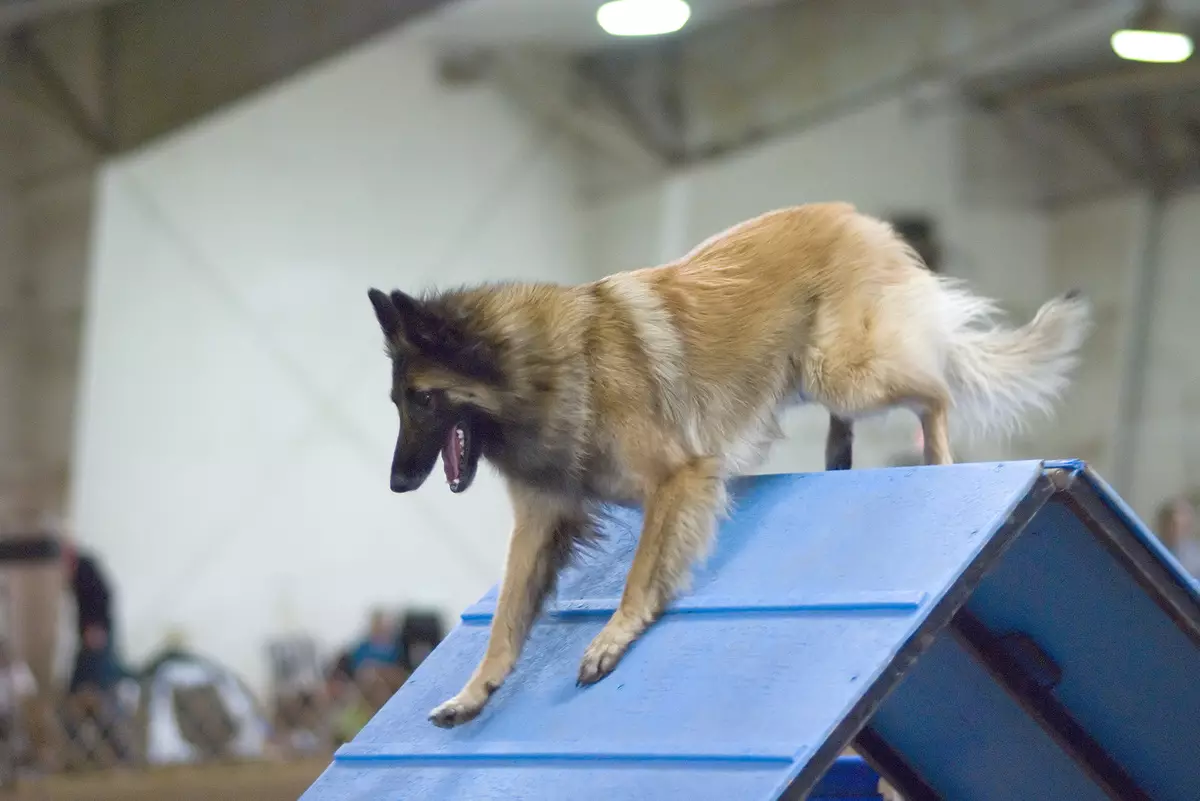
602 656
455 712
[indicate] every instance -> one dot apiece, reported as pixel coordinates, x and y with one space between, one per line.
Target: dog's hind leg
543 538
680 520
935 429
839 443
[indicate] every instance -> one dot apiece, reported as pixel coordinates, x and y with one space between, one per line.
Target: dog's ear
445 339
407 306
404 318
422 327
385 312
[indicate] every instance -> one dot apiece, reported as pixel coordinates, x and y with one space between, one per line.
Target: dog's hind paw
453 713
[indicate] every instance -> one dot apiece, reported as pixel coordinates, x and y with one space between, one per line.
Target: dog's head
445 379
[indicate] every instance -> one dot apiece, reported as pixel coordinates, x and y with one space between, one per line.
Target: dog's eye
423 398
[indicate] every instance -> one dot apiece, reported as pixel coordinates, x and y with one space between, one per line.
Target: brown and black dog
652 387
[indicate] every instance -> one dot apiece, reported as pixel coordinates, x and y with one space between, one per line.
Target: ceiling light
643 17
1152 36
1162 47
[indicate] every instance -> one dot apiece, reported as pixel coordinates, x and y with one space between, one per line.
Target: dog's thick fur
651 387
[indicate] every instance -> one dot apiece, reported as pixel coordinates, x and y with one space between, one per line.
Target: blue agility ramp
978 631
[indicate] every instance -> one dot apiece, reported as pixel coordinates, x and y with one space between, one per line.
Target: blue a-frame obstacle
979 631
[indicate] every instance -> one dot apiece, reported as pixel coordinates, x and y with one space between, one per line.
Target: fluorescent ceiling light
1152 36
643 17
1162 47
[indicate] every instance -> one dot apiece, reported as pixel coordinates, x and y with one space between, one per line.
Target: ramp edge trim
384 753
484 611
1114 524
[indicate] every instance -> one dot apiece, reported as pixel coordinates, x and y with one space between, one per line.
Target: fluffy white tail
997 375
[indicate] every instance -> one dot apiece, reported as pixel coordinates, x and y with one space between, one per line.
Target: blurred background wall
234 385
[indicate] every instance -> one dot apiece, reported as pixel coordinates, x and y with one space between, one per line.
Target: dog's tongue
450 456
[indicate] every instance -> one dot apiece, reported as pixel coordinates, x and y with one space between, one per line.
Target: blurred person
97 672
298 695
349 710
96 651
95 667
89 585
94 712
342 669
379 647
34 584
419 635
375 662
17 685
1176 528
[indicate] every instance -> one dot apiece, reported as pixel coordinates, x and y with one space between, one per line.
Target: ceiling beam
60 98
171 63
554 90
1092 87
1084 131
795 69
15 13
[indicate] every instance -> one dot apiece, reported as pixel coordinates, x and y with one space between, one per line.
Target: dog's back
824 303
800 302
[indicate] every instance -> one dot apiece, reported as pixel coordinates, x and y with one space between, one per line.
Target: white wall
897 157
235 432
1097 246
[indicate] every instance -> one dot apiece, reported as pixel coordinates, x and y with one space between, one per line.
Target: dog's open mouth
459 457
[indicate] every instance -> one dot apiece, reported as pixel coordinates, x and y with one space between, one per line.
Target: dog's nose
402 483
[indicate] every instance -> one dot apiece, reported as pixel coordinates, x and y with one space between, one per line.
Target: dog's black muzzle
411 466
403 483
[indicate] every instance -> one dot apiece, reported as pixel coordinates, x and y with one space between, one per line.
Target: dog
651 387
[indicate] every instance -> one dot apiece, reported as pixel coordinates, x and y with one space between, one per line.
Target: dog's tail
997 375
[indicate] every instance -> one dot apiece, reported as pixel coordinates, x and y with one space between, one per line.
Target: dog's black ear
407 306
443 338
385 312
417 323
403 317
423 328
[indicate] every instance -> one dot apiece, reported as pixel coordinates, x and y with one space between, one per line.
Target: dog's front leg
680 518
544 533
